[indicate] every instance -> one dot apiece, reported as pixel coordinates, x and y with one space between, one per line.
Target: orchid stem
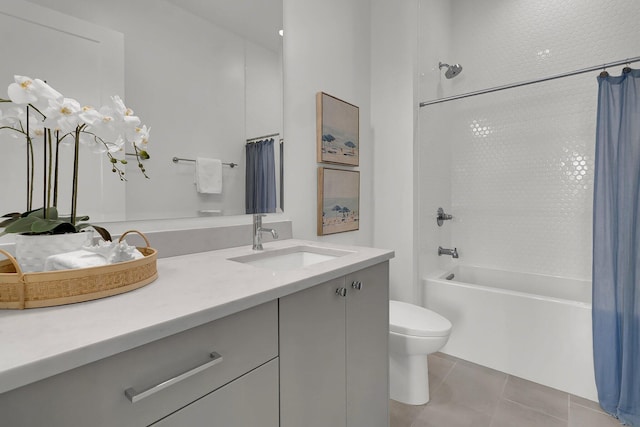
74 191
28 163
50 168
55 182
44 177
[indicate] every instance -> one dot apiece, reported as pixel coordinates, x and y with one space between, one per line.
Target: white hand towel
208 175
73 260
83 258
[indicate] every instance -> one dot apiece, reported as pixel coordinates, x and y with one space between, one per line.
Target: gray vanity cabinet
223 373
334 352
367 357
249 401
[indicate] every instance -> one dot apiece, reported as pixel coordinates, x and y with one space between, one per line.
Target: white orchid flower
23 91
10 118
105 127
36 131
63 115
125 117
124 114
89 115
120 108
141 138
32 91
10 114
101 122
36 126
45 94
115 146
129 125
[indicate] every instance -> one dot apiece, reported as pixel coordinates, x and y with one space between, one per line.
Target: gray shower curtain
260 194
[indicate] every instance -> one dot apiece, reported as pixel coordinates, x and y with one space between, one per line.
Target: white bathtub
532 326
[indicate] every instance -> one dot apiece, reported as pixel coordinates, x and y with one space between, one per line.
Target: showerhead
452 70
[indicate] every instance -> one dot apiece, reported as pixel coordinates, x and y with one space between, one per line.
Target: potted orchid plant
42 115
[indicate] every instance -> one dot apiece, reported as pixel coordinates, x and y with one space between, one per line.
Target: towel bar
178 159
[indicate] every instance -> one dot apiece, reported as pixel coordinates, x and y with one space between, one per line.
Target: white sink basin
290 258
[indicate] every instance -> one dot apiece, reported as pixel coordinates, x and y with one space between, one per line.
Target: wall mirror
205 76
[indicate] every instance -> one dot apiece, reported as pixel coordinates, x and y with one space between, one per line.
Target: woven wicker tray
20 290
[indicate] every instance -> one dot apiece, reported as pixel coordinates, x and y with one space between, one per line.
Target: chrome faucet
443 251
258 229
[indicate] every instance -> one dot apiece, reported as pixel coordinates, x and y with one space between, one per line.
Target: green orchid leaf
36 213
45 225
52 213
21 225
12 215
6 222
27 213
78 218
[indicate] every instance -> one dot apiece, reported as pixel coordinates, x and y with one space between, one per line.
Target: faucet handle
442 216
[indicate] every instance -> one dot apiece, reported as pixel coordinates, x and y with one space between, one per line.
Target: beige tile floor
464 394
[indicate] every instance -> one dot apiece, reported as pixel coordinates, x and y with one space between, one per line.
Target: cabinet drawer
94 394
249 401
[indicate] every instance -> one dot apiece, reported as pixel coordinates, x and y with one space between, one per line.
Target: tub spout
443 251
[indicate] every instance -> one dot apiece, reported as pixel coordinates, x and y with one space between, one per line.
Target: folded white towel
208 175
83 259
72 260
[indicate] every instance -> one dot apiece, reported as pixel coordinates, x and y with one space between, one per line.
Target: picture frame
337 131
338 200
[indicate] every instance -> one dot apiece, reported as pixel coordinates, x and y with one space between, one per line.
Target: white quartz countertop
191 290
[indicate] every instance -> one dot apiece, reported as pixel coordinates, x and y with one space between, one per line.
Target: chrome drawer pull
135 396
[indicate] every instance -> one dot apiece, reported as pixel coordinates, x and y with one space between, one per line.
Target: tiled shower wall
519 162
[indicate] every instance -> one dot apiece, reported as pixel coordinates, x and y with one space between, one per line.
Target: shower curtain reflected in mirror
616 247
260 195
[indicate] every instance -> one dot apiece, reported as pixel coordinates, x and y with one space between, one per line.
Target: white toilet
414 332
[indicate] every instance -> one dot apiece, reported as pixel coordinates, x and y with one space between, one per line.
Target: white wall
393 88
434 175
521 162
326 48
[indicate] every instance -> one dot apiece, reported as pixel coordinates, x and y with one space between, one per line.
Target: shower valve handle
442 217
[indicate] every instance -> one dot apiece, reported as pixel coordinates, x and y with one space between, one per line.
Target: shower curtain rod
529 82
271 135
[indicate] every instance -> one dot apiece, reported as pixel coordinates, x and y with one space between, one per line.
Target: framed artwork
337 130
338 200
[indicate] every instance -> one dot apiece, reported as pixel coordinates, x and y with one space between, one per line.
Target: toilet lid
410 319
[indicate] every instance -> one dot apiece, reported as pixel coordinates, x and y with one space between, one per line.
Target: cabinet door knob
356 285
342 292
